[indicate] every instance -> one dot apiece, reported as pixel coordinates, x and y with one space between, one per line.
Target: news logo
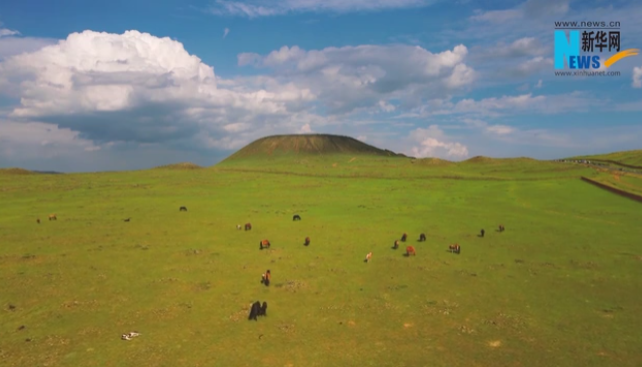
584 49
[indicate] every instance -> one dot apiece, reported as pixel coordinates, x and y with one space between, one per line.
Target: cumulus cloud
263 8
134 87
637 77
433 143
352 78
10 46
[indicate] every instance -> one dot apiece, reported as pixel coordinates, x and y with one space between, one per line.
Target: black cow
254 312
182 208
481 233
263 309
422 237
126 220
404 237
307 241
296 217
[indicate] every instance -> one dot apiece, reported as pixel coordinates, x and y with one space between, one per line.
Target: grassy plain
560 287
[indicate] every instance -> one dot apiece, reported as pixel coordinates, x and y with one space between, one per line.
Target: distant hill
183 165
627 158
15 171
308 144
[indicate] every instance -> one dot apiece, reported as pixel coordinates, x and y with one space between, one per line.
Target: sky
122 85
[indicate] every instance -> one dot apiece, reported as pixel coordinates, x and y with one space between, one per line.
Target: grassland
561 287
629 157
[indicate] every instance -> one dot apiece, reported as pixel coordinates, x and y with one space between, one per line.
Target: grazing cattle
410 251
266 278
307 241
182 209
404 237
501 228
368 257
422 237
52 217
264 244
454 248
254 311
396 245
481 233
248 226
126 220
238 226
296 217
263 310
38 220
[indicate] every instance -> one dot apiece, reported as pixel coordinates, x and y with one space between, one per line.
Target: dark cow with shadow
422 237
263 309
254 311
182 209
404 237
395 245
248 226
296 217
307 241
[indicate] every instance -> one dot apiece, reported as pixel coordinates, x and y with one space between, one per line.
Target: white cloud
354 78
362 138
529 9
140 88
305 129
10 46
539 84
522 47
226 31
433 143
497 16
7 32
262 8
500 129
39 140
637 77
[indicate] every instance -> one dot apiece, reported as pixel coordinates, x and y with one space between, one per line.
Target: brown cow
454 248
404 237
368 257
396 245
38 220
307 241
52 217
264 244
410 251
248 226
501 228
265 279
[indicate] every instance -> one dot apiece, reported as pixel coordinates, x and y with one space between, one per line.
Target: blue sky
134 84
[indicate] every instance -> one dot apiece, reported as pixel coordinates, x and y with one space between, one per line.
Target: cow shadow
406 255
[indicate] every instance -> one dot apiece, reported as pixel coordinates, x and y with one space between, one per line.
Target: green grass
629 157
561 287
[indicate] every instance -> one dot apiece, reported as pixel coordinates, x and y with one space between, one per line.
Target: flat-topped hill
307 145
